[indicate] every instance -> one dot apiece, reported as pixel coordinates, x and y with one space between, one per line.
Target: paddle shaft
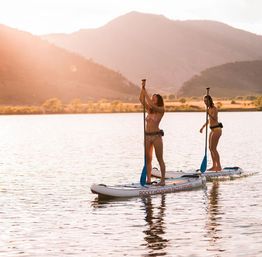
144 119
203 166
206 123
144 171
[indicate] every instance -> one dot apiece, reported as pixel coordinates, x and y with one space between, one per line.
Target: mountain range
227 80
33 70
167 52
180 57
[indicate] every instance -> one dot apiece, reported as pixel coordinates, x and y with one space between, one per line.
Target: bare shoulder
162 109
213 110
158 109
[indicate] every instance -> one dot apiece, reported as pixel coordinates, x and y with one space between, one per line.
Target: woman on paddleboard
155 111
215 134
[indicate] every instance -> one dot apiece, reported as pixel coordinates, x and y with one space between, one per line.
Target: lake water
48 163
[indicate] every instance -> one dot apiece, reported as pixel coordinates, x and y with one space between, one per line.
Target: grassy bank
55 106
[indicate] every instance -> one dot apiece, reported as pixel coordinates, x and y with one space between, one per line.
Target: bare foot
161 183
153 183
215 169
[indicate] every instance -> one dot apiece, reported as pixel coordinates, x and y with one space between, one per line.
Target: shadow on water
213 220
155 231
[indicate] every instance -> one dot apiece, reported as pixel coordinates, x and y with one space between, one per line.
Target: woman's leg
211 152
158 145
149 153
213 148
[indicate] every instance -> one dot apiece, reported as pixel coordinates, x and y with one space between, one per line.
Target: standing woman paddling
155 109
215 134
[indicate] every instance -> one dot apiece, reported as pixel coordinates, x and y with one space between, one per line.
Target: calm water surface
48 163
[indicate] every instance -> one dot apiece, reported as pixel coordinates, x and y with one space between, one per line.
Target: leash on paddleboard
203 166
144 170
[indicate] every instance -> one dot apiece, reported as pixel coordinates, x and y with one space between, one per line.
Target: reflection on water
103 202
155 232
213 221
153 208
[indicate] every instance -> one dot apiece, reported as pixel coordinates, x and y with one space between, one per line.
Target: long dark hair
209 99
160 102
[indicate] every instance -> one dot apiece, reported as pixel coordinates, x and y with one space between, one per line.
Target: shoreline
55 106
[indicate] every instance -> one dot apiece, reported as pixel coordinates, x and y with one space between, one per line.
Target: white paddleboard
188 182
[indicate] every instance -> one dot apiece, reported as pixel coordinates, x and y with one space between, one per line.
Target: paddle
203 166
144 170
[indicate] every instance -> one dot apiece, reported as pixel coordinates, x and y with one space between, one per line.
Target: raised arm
141 97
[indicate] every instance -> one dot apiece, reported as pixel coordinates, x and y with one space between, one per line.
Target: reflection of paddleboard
135 189
226 173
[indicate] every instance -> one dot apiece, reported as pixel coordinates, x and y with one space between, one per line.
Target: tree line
56 106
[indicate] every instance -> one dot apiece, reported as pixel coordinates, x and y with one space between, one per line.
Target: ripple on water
48 164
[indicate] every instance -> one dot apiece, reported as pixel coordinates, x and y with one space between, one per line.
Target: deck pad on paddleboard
135 189
226 173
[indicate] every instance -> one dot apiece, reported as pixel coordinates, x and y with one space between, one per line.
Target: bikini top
152 117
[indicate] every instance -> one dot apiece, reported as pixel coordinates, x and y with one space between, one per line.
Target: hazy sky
48 16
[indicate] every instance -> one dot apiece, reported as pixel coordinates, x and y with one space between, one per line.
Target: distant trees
258 103
182 100
75 106
172 97
250 97
53 105
20 109
219 105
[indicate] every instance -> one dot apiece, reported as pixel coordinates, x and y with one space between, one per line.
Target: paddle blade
203 166
143 176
